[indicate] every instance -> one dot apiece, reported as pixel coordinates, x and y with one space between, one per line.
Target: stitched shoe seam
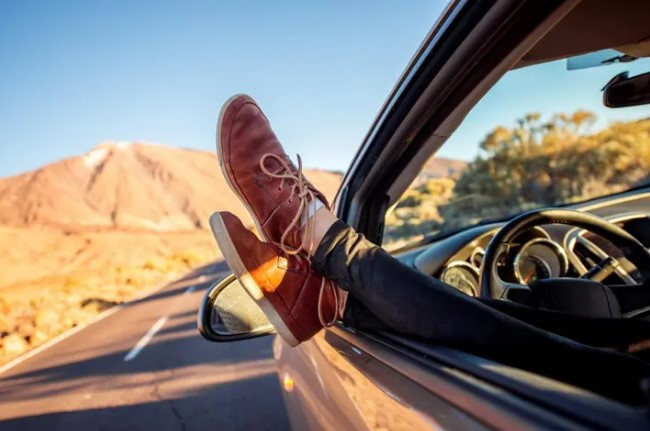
300 295
280 298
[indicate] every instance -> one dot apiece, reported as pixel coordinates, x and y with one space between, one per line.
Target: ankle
323 219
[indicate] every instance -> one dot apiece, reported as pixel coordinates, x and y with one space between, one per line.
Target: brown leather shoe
296 301
257 169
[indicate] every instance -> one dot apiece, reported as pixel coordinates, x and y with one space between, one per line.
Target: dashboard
547 251
533 256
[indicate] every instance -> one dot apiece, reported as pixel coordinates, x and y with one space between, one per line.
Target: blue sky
75 73
547 88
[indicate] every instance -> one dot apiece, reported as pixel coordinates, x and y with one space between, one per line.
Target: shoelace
307 197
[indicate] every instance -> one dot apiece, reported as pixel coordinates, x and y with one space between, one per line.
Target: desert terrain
88 232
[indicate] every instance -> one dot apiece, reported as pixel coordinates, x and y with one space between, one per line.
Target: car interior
576 269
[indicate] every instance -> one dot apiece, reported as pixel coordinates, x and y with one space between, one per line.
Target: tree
533 164
546 163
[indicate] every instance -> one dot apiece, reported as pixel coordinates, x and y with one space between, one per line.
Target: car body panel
338 385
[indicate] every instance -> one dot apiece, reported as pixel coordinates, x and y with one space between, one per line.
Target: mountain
128 185
441 167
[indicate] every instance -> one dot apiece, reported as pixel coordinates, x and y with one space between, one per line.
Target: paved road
177 381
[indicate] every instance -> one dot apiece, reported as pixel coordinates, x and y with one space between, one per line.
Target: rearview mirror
622 91
597 58
228 313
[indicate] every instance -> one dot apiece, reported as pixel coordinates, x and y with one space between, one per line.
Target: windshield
540 137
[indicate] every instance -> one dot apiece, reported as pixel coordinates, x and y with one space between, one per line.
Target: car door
336 381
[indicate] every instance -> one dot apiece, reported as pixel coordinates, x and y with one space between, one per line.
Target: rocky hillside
127 186
441 167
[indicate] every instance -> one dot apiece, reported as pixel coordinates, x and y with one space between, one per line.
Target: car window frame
456 64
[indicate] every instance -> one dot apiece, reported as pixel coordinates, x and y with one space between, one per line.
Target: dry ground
54 280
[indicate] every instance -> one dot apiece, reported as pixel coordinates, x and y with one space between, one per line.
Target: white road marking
135 351
20 359
189 290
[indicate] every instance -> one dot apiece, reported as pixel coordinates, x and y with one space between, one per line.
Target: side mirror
228 313
622 91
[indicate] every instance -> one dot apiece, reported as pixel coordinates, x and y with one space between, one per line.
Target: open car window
540 137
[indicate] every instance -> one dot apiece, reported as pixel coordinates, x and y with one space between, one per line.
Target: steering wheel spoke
602 269
634 299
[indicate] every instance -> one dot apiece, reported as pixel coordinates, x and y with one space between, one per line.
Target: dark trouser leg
415 304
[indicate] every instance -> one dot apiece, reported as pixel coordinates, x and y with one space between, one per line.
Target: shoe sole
226 175
247 281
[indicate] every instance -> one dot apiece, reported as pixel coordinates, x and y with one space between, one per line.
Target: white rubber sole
247 281
225 173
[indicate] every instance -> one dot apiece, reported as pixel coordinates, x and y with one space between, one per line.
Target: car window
540 137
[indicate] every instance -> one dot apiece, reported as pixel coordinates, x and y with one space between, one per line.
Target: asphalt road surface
172 380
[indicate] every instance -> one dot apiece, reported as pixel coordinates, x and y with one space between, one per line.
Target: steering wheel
491 285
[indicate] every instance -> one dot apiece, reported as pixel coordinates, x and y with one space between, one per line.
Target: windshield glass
540 137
